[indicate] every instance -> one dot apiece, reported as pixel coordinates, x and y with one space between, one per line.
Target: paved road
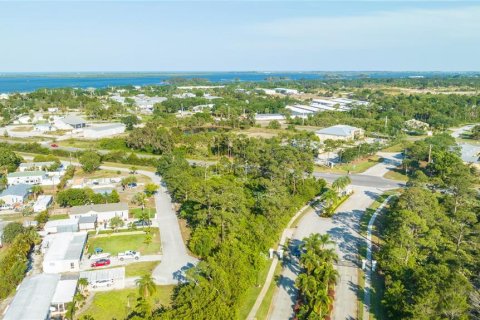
175 256
343 228
85 264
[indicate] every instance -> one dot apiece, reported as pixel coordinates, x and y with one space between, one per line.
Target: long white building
63 251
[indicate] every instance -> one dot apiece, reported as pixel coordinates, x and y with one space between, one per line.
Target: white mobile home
103 212
63 251
15 195
103 131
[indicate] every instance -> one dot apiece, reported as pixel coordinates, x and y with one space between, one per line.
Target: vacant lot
115 243
117 304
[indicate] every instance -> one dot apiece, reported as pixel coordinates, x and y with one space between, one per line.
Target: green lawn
396 174
262 312
140 268
114 244
59 216
252 293
137 212
377 310
354 167
114 304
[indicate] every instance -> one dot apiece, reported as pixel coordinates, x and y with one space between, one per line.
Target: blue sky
242 35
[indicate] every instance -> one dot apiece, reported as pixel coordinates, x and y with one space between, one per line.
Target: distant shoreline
27 82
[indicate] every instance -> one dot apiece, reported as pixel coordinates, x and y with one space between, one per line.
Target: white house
340 132
61 225
53 109
42 203
103 212
87 223
15 195
63 251
26 177
103 131
70 122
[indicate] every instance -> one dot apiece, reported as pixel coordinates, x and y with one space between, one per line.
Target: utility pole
386 122
430 153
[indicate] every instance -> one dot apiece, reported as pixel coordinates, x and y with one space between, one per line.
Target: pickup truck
129 255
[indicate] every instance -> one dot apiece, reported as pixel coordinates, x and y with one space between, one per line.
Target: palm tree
316 243
36 191
146 286
83 283
341 183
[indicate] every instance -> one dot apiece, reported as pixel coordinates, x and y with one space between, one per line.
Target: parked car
54 145
129 255
100 263
132 185
102 283
142 223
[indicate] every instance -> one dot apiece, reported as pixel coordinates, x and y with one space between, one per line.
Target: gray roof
20 190
27 174
87 219
104 207
75 249
339 130
33 298
73 120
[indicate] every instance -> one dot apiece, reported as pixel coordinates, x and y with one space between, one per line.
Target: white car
129 255
102 283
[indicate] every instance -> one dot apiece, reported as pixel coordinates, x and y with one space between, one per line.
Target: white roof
33 298
60 222
65 291
43 200
338 130
103 274
64 246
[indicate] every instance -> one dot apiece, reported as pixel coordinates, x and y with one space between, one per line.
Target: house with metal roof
340 132
71 122
33 298
63 251
104 212
15 195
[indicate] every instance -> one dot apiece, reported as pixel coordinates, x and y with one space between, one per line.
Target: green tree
11 231
150 189
146 286
116 223
90 161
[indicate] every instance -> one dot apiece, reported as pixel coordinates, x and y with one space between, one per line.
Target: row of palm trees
317 281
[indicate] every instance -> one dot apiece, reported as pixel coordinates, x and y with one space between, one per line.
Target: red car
100 263
54 145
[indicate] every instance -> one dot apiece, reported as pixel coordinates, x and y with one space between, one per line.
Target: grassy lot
264 309
354 167
114 244
252 293
395 148
137 212
114 304
22 129
361 293
370 211
58 217
138 269
396 174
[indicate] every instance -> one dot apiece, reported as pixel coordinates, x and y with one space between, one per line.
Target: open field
357 166
115 304
396 174
138 269
115 243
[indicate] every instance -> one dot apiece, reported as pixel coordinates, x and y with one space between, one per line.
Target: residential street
343 228
175 258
